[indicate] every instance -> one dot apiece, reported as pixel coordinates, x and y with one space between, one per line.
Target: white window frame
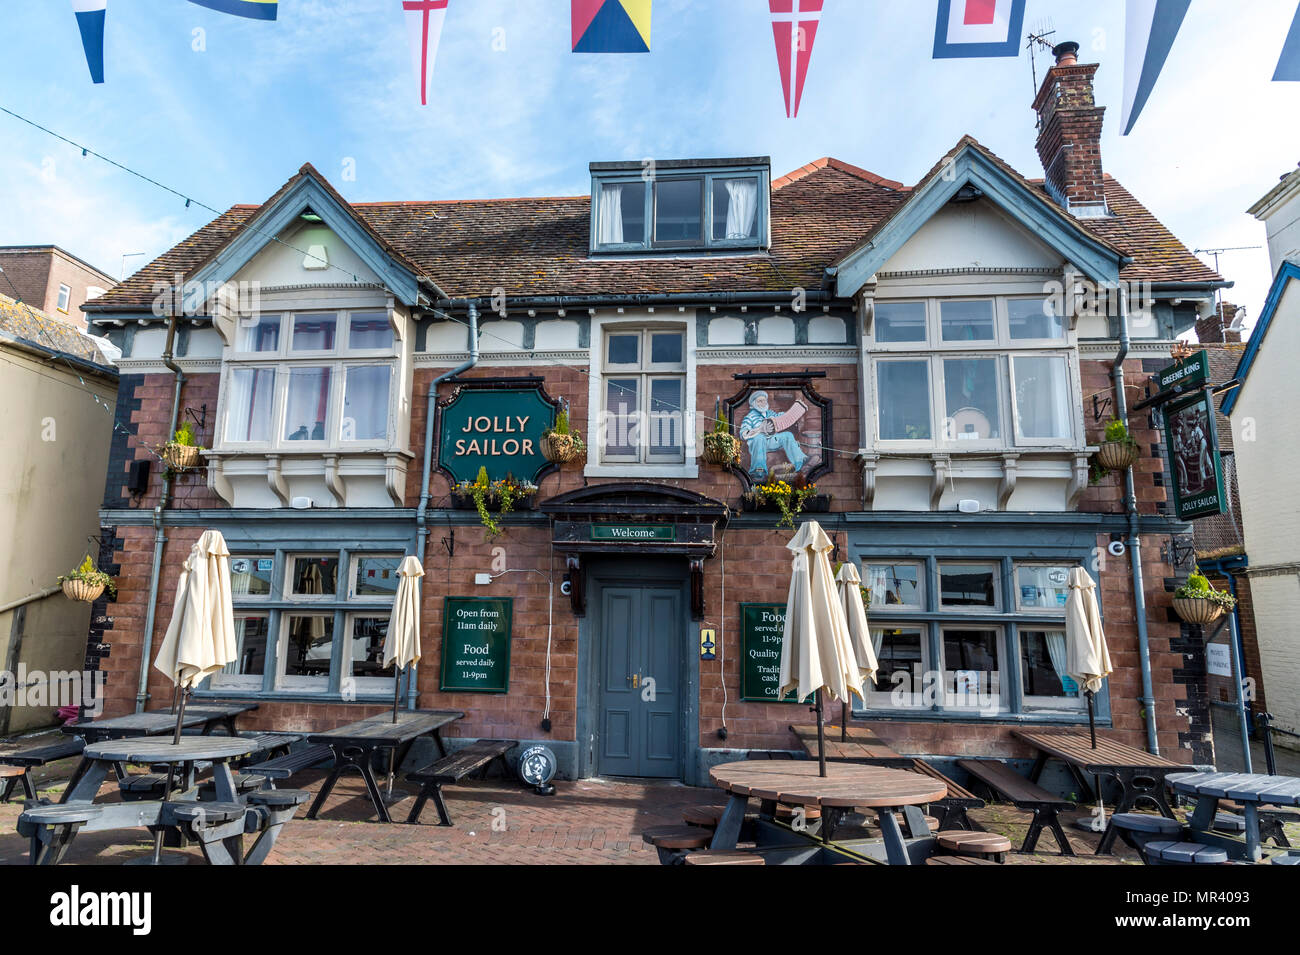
1071 382
354 565
301 684
362 684
64 301
918 565
1041 704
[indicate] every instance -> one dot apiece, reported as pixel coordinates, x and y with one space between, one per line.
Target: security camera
566 586
1116 548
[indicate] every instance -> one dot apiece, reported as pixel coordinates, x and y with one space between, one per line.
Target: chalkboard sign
476 644
761 628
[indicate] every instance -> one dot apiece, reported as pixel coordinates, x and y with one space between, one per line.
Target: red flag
424 27
794 26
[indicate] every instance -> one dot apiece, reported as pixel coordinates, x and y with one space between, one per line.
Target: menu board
761 629
476 644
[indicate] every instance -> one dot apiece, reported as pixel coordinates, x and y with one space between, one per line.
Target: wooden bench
19 764
1164 852
148 786
1023 794
1270 821
955 804
706 817
293 762
454 768
267 746
52 828
723 857
674 843
959 860
987 845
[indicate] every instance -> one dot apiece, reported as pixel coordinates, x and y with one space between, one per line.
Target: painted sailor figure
765 430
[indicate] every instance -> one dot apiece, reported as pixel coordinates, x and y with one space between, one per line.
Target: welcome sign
483 426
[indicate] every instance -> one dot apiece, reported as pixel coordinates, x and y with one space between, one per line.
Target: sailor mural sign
486 425
1194 461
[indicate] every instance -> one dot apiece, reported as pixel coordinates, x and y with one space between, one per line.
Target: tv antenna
1035 41
1218 293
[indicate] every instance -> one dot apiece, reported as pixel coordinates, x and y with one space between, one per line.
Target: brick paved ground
585 822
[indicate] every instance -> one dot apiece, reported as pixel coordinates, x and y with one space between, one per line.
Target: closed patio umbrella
402 644
816 649
1087 658
848 582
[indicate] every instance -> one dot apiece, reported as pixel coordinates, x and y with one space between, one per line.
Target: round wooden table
844 788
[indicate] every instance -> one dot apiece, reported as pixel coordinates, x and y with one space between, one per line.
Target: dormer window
679 206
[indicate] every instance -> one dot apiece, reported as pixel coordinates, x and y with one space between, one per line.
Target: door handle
636 680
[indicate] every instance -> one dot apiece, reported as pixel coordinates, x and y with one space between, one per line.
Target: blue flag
1288 64
90 21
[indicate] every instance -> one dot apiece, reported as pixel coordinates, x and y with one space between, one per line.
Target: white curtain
1055 640
742 207
610 224
877 641
365 403
878 583
249 416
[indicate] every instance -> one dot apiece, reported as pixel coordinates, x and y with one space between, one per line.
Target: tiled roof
30 324
539 246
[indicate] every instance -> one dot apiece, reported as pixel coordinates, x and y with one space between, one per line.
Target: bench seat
723 857
148 786
963 843
1023 794
52 827
452 769
282 767
958 860
954 805
1288 859
18 764
1164 852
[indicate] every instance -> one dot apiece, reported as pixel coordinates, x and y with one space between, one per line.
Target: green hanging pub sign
1196 469
495 424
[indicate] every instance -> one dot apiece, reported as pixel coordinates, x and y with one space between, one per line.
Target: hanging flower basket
1199 610
1117 455
82 590
721 449
561 448
180 457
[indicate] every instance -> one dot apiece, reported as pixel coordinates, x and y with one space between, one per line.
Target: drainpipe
159 538
1134 540
1239 672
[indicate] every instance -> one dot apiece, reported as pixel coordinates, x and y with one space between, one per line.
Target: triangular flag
424 28
90 21
794 31
1288 64
249 9
610 26
1149 30
978 28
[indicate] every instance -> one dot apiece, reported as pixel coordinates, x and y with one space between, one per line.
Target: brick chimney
1069 134
1213 329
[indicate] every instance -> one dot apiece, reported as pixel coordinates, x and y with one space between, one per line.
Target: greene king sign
497 428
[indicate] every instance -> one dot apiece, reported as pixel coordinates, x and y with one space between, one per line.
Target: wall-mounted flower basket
463 500
1197 602
87 582
562 448
1117 455
179 457
815 504
501 496
1199 610
721 450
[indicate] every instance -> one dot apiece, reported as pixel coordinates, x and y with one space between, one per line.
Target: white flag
424 27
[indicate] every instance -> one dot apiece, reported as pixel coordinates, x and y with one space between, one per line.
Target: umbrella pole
178 703
397 690
821 735
1092 721
844 723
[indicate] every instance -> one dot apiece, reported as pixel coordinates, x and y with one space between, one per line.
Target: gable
306 253
975 234
1280 318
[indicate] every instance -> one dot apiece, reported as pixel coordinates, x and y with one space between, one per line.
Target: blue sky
229 112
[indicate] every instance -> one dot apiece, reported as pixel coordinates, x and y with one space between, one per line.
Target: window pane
893 585
365 403
311 637
666 348
314 331
369 330
1042 397
735 208
1042 587
900 322
666 416
968 585
368 636
899 654
65 295
251 576
903 397
624 350
376 576
1043 665
621 215
966 321
971 394
251 404
315 575
250 644
1033 318
678 210
307 404
622 399
970 662
259 333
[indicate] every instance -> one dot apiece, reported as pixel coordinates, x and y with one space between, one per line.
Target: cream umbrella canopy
848 582
402 644
816 649
1087 657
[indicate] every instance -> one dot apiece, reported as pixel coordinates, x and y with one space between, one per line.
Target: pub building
930 368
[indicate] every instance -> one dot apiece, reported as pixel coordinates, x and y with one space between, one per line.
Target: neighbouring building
938 359
58 392
1264 455
52 280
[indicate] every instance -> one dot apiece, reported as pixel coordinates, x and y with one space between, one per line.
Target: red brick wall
1107 495
1069 138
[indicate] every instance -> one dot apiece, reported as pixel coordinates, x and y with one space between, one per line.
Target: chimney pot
1067 53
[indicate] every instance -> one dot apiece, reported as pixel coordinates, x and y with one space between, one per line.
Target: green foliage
503 495
1116 430
561 423
1198 587
92 575
184 435
481 479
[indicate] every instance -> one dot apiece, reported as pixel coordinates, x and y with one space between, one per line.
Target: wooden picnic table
354 746
862 746
1252 790
1141 775
845 788
206 716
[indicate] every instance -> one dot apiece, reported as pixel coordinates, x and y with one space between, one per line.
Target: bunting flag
1288 64
424 28
794 31
250 9
1149 30
610 26
90 21
978 28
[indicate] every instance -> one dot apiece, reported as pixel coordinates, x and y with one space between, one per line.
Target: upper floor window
313 378
643 395
65 297
679 206
972 374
